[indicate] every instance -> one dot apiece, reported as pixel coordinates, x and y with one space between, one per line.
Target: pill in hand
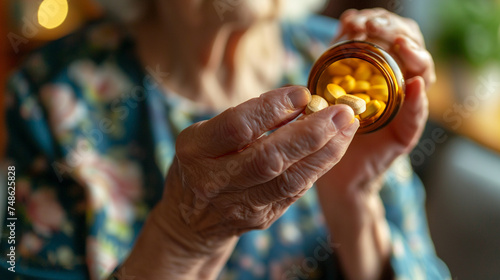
316 104
363 96
357 104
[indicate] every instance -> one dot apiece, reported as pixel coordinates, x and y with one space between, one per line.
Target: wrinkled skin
349 192
230 180
371 154
226 179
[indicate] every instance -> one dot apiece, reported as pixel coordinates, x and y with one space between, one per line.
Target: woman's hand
400 36
227 178
370 155
349 192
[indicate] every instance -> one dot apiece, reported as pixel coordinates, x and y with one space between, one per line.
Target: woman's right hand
227 179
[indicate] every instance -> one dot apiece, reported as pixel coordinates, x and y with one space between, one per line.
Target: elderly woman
140 151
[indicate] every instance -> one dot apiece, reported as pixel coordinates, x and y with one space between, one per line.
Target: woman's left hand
349 192
370 155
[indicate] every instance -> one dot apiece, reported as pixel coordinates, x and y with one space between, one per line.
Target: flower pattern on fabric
92 139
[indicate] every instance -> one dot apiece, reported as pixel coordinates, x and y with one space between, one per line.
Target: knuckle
206 191
333 154
266 216
184 147
236 129
234 212
379 10
313 141
412 24
246 216
250 198
290 183
315 135
267 163
268 110
350 12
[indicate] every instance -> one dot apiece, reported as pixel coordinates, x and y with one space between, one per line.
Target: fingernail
351 129
342 119
299 98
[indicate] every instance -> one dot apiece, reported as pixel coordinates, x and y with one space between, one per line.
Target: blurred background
458 158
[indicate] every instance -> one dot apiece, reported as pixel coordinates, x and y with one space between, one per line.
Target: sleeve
37 240
413 255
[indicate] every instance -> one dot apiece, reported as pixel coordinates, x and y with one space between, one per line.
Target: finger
388 28
356 21
348 14
410 121
271 156
353 23
357 36
386 25
239 126
417 60
299 177
343 20
348 25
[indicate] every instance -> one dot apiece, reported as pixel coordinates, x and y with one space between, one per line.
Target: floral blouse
91 137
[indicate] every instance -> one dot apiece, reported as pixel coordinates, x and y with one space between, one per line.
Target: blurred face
248 10
256 9
218 12
213 12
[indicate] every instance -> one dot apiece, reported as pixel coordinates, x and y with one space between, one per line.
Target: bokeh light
52 13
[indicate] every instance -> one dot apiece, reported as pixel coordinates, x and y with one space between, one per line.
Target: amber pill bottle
381 63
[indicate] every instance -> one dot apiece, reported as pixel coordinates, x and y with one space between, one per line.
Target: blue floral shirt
91 136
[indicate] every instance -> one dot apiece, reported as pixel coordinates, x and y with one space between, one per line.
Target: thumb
239 126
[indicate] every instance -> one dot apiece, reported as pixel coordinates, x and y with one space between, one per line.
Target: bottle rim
381 60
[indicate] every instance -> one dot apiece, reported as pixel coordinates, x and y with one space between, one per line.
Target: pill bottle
353 58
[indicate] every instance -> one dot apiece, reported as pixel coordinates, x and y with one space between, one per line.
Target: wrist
357 222
163 253
187 241
168 246
181 217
